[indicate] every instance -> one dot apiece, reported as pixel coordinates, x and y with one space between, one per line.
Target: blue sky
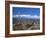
26 11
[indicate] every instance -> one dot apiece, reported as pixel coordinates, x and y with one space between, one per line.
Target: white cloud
27 16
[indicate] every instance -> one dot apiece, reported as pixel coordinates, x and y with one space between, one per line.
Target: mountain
23 19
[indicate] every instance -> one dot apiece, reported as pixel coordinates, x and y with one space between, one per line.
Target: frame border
7 18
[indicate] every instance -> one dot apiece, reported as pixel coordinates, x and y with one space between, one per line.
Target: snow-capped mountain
27 16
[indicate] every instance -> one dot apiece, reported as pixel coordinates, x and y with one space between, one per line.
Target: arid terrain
26 24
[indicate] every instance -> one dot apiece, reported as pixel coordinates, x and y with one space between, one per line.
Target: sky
26 11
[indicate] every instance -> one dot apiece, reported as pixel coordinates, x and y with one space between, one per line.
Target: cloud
27 16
